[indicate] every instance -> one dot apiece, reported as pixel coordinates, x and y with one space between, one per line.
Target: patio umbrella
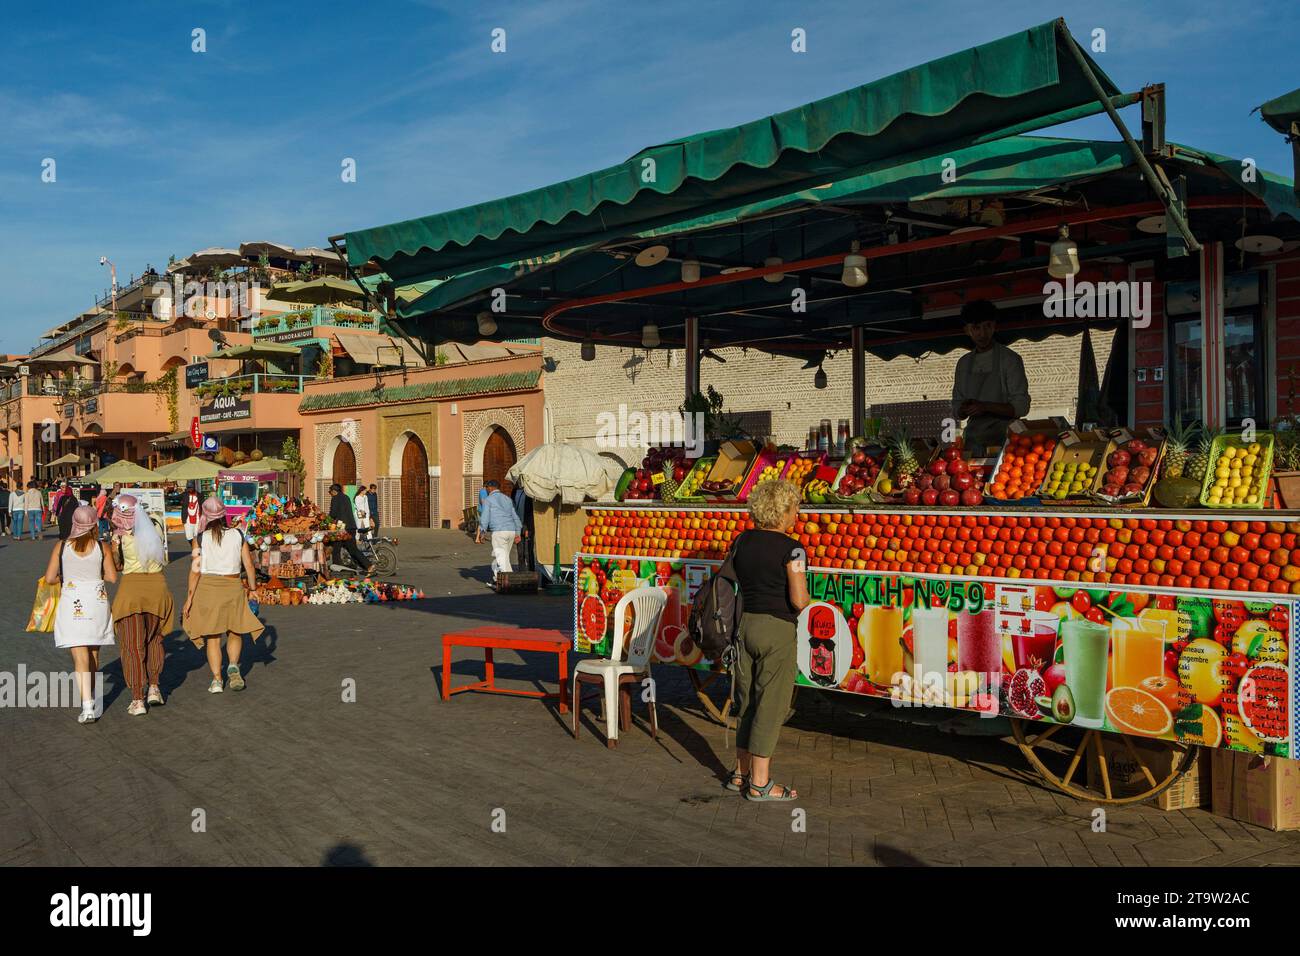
262 464
322 256
567 475
318 291
188 469
71 458
123 472
215 256
253 250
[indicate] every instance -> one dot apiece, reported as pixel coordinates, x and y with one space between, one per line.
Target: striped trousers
140 644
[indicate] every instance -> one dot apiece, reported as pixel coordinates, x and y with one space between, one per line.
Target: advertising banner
1186 668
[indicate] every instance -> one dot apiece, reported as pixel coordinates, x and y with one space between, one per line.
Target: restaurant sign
225 408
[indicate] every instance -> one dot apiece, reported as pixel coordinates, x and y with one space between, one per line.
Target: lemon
1253 448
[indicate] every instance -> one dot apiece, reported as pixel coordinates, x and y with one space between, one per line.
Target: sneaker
155 698
137 709
234 678
215 687
87 717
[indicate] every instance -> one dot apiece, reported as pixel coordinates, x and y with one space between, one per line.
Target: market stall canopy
378 350
1283 113
262 464
321 291
564 471
123 471
188 469
173 440
254 250
258 350
993 89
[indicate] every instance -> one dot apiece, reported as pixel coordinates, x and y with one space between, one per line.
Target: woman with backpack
83 622
770 569
217 602
142 608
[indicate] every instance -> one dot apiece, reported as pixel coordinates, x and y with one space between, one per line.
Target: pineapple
1178 448
1199 463
904 458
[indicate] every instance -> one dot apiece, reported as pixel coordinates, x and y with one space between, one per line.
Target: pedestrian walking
67 505
362 504
216 604
4 507
83 622
527 544
191 511
34 503
501 524
143 610
17 510
101 510
770 569
372 498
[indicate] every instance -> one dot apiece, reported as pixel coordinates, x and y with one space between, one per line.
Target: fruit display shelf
1256 552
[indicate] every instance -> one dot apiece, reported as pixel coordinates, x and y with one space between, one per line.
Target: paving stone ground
287 773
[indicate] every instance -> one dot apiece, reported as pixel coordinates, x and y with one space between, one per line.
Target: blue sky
161 150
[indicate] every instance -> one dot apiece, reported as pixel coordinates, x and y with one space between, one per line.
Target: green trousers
765 669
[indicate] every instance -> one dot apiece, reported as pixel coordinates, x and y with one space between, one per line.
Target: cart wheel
1059 761
700 680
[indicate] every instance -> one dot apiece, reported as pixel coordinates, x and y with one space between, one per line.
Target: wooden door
345 465
498 458
415 485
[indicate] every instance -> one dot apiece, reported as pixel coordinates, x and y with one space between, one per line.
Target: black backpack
716 611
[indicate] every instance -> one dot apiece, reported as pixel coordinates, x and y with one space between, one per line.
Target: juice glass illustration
1086 645
979 645
1138 651
1033 642
930 646
879 631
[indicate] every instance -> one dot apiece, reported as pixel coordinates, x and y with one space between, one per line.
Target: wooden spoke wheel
1060 759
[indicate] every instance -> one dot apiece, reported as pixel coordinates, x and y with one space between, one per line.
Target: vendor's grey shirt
997 375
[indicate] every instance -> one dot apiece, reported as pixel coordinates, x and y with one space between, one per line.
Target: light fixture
486 324
651 256
855 269
1064 258
1259 244
650 336
588 350
819 380
690 265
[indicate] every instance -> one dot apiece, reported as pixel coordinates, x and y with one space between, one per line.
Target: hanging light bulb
855 269
690 265
650 336
773 259
1064 258
486 324
588 350
819 380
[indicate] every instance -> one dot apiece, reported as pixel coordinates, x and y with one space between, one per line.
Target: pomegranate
970 498
1140 474
951 453
938 467
958 467
1117 475
1111 490
929 496
912 496
1026 684
1135 446
1054 677
949 498
1148 456
1118 458
942 482
925 481
962 480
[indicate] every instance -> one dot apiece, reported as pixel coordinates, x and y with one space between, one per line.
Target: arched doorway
415 484
498 458
345 465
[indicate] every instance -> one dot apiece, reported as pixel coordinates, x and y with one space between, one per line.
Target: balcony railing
260 383
316 315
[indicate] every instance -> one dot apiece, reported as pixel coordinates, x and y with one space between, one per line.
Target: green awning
1017 164
1283 113
999 86
1276 192
323 291
258 350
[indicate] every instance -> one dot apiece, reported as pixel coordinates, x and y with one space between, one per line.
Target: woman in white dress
361 505
83 622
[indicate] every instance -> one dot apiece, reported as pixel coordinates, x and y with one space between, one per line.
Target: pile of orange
1023 466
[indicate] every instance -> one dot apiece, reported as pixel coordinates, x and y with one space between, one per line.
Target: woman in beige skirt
217 604
143 610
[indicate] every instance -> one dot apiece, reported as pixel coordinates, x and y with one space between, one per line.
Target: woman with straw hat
83 623
142 608
217 604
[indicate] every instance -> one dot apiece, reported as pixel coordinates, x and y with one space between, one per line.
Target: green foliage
292 457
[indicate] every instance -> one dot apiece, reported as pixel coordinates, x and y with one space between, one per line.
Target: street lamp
112 271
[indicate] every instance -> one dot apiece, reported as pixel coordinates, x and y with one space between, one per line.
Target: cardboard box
1254 789
1089 448
734 459
1191 790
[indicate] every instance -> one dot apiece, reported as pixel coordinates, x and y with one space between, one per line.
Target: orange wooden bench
511 638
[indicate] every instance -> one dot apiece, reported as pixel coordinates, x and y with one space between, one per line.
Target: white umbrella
566 472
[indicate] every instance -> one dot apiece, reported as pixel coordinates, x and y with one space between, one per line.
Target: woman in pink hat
143 610
217 603
83 623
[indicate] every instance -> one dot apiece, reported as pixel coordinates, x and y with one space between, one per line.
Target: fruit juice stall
1122 573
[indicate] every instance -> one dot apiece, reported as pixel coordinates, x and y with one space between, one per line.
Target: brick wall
577 392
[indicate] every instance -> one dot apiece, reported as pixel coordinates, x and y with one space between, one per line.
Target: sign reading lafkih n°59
225 408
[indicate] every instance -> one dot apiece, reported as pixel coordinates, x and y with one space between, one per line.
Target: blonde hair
771 501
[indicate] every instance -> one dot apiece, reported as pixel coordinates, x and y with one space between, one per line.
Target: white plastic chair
648 607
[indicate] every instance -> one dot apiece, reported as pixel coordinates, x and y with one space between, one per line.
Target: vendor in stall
989 389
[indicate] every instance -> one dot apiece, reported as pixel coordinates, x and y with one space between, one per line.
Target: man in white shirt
990 389
34 502
17 503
